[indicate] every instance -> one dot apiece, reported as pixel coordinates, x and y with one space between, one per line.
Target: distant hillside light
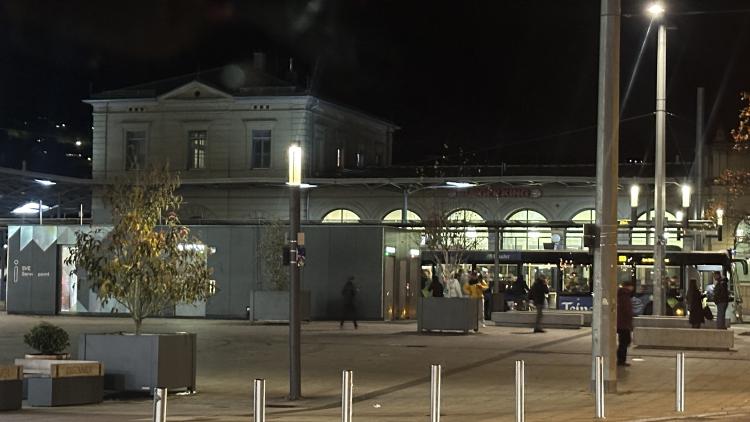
295 165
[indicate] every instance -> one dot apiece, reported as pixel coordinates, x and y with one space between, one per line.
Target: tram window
576 279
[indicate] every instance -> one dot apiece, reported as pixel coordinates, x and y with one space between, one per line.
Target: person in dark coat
519 291
436 287
721 299
537 294
695 304
624 321
349 294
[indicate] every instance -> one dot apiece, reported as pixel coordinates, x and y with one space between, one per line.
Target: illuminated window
395 216
574 235
341 215
476 237
261 149
645 236
525 238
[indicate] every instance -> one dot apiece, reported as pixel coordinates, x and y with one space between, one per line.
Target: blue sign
575 303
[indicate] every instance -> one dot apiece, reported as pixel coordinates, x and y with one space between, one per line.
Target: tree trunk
138 323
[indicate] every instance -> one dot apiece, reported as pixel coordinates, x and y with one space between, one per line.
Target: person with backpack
538 294
721 299
349 311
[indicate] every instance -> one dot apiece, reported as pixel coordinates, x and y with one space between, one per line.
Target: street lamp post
295 181
657 11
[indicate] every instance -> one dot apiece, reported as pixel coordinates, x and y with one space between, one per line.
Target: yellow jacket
476 290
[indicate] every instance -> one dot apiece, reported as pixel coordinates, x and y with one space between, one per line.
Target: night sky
503 81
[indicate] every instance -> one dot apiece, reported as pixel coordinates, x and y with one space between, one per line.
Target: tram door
389 275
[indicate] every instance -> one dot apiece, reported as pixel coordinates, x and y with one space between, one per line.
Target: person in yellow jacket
475 289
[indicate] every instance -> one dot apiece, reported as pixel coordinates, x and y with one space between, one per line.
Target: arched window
523 238
645 236
476 237
341 215
574 235
395 216
742 238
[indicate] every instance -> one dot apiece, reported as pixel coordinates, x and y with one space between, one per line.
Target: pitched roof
236 80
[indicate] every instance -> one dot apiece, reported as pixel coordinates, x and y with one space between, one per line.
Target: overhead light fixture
686 191
307 186
635 190
79 143
679 215
656 10
460 185
720 217
295 165
45 182
29 208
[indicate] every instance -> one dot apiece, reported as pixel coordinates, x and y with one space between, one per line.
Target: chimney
259 61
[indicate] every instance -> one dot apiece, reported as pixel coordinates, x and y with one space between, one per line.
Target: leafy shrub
48 339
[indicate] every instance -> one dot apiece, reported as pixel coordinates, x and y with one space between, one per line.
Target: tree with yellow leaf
148 262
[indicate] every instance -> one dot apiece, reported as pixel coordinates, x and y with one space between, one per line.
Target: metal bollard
599 386
160 405
347 385
520 391
259 400
680 383
435 393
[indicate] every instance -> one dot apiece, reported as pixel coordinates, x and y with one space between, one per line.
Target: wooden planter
143 362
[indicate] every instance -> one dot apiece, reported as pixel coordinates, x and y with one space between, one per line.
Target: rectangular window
197 148
261 149
135 149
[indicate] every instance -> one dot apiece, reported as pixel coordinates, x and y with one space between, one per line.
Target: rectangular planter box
448 314
11 388
44 391
144 362
273 305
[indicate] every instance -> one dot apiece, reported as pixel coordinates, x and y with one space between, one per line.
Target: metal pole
680 383
259 400
660 169
698 161
599 386
520 391
295 370
40 212
347 385
435 393
496 276
160 405
405 207
80 215
604 317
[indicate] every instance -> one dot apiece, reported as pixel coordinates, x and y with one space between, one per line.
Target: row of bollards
347 389
160 405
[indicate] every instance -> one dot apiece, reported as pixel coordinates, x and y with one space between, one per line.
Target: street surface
391 365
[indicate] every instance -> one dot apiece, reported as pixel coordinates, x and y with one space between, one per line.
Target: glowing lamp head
635 190
656 10
720 216
686 192
295 165
679 215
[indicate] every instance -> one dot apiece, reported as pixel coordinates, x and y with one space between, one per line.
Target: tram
570 274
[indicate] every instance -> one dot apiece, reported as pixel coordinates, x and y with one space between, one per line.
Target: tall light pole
604 314
295 182
657 13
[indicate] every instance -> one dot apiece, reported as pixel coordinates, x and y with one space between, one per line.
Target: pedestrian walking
537 294
695 304
349 294
721 299
624 321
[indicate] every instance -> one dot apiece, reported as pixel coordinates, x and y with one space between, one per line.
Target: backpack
707 314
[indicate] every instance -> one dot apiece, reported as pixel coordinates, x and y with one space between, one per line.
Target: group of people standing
461 283
717 292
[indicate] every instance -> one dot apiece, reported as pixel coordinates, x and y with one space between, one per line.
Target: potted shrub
49 340
148 262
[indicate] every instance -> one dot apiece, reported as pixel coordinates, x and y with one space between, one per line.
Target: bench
551 319
683 338
63 383
669 322
11 387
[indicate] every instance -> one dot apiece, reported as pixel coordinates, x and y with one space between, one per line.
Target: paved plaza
391 374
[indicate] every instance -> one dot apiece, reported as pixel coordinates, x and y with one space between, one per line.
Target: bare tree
449 238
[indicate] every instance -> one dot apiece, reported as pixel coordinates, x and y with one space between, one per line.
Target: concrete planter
11 389
448 314
273 305
144 362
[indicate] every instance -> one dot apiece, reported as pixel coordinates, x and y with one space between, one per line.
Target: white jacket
452 288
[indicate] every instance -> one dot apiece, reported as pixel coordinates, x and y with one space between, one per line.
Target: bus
570 275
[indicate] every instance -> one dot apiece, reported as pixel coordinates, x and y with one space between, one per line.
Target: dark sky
504 80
